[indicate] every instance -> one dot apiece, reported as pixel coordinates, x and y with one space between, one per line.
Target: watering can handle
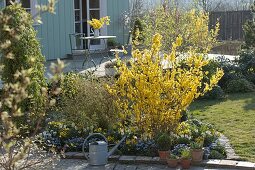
86 140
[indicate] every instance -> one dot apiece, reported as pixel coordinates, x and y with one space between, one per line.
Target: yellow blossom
152 97
99 23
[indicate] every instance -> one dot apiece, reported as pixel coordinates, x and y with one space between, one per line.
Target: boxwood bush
216 93
240 86
26 51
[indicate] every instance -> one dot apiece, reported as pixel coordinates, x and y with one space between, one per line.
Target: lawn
234 117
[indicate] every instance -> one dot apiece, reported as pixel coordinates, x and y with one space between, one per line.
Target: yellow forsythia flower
99 23
151 97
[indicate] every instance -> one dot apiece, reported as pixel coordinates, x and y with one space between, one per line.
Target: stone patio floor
75 64
77 164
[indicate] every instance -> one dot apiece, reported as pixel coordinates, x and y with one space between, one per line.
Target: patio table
101 51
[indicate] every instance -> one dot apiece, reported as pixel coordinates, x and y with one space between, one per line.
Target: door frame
103 12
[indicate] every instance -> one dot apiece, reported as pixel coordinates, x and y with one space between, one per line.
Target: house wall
1 3
54 32
116 9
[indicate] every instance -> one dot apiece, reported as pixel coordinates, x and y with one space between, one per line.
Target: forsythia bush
192 25
151 98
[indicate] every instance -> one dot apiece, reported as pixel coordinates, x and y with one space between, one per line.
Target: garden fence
231 23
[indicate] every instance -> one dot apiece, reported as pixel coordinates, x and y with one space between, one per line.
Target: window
29 5
26 4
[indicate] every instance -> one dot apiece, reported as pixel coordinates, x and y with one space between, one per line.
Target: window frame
33 3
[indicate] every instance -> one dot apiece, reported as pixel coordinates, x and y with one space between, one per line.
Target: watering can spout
116 146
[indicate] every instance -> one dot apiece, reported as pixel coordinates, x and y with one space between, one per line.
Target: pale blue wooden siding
54 32
116 9
1 4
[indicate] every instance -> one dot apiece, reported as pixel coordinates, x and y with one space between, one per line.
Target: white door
96 9
85 10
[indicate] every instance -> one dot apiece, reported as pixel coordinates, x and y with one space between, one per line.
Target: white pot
96 33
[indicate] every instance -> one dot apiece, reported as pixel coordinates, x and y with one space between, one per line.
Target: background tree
247 56
249 31
223 5
191 24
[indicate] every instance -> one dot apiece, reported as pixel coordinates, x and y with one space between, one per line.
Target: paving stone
119 167
110 166
127 159
157 160
131 167
143 159
228 163
152 167
245 165
78 164
224 141
69 155
114 158
79 156
211 163
125 167
106 167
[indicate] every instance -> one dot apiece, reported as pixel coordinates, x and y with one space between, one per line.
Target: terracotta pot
185 163
197 155
164 154
172 163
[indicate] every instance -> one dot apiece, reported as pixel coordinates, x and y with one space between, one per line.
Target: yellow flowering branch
99 23
150 97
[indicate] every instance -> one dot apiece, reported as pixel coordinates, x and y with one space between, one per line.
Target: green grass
234 117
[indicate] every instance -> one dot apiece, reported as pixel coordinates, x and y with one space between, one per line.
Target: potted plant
111 68
172 160
97 24
185 158
164 145
197 150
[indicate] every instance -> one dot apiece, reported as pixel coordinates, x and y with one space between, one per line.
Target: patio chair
77 45
79 48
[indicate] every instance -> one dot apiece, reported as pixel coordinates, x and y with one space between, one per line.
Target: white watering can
98 151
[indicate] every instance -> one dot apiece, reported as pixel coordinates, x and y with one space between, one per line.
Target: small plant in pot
172 161
197 150
164 145
185 158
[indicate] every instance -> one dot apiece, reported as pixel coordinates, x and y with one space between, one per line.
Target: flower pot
128 48
96 33
164 154
110 71
172 163
197 155
185 163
